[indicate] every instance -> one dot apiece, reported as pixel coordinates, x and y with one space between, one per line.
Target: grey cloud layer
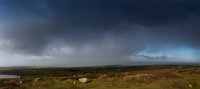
98 31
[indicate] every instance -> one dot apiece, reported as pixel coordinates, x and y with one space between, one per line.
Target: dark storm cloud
110 29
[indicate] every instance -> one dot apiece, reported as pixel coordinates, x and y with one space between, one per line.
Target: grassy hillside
144 77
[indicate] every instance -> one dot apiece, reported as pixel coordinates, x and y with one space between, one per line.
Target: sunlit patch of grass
188 81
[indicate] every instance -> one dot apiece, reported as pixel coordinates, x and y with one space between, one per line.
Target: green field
135 77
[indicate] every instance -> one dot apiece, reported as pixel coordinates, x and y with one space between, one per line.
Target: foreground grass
170 77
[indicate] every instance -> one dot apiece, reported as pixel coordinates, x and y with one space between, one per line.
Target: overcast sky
99 32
